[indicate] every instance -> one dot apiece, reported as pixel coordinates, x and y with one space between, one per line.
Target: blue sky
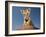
17 17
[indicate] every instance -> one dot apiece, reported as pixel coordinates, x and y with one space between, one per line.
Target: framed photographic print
24 18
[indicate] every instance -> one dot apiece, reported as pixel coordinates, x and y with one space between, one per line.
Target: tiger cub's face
26 13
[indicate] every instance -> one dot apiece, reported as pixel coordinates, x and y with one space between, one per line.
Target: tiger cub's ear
21 11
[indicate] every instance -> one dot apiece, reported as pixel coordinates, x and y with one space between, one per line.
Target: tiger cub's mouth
26 20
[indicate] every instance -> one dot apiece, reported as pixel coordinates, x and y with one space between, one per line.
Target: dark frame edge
44 18
26 2
6 18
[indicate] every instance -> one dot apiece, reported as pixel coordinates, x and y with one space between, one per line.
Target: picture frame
11 6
